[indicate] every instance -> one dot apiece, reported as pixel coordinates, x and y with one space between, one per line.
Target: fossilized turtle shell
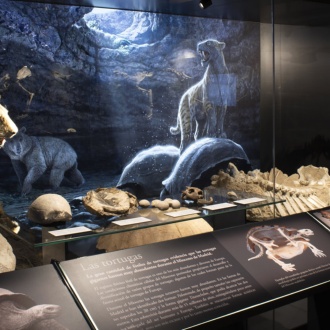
143 176
201 160
110 202
49 208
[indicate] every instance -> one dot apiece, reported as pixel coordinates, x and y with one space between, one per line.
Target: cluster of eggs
161 205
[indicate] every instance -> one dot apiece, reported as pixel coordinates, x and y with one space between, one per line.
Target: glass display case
153 98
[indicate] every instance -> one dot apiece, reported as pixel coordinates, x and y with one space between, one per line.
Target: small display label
219 206
181 213
132 221
250 200
69 231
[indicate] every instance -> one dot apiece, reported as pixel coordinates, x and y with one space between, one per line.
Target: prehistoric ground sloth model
32 156
280 243
203 107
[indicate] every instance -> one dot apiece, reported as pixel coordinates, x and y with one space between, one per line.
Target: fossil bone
110 202
307 190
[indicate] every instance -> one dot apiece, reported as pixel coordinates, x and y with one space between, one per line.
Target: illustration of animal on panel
32 156
7 127
19 311
280 243
203 107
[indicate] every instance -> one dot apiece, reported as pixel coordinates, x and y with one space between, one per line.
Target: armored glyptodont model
202 159
143 176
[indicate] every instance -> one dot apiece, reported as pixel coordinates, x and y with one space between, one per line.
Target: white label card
250 200
70 231
219 206
181 213
132 221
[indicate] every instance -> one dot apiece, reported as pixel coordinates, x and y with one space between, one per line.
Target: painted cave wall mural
116 85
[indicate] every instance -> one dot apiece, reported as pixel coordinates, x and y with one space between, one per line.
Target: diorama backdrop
109 82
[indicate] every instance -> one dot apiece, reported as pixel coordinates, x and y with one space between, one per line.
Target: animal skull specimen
196 195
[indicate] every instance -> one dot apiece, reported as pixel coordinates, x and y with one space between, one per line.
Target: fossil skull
192 193
196 195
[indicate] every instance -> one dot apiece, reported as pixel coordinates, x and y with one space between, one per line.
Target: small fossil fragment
110 201
232 195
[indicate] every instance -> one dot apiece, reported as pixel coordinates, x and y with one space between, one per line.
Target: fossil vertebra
306 190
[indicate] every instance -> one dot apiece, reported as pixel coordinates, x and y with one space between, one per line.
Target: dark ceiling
297 12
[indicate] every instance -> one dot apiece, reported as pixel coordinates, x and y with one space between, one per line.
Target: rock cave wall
110 82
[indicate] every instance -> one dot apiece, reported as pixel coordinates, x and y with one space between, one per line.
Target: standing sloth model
32 156
203 106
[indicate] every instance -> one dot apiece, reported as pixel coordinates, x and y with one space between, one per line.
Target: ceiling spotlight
205 3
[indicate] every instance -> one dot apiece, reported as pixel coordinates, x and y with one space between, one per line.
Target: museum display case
101 97
107 81
106 85
119 94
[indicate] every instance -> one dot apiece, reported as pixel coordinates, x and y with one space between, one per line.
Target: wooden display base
150 235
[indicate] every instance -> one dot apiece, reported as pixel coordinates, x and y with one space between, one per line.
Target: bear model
32 156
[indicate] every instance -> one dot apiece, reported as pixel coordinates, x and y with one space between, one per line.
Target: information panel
188 281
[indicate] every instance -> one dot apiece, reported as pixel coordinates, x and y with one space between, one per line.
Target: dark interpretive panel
182 282
189 281
37 299
294 254
219 276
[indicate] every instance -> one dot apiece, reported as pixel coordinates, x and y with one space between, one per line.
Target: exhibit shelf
153 217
